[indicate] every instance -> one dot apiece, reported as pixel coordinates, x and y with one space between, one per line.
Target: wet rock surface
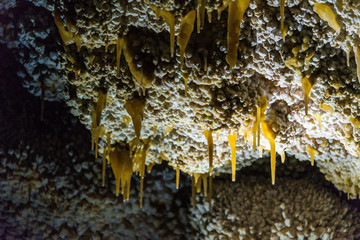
48 171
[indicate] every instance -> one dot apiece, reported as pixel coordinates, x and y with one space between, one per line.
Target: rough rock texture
302 205
221 98
50 188
218 97
50 184
29 32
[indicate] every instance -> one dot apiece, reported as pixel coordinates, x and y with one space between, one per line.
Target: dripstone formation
208 87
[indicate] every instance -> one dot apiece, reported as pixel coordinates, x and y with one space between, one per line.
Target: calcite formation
294 97
298 208
280 76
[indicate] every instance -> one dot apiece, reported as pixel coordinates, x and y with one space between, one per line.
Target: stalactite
210 191
177 176
307 84
168 129
142 79
135 108
222 8
283 156
186 28
209 138
327 14
119 46
122 167
232 142
236 12
262 105
169 18
282 15
318 118
357 60
200 12
312 151
270 135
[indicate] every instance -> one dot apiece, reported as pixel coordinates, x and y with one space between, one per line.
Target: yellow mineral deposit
355 122
254 131
232 142
97 130
200 14
149 167
357 60
105 153
204 179
119 46
168 129
163 156
109 43
185 76
143 79
307 84
198 181
210 191
326 13
126 120
177 176
318 118
326 108
66 35
270 134
261 150
209 138
236 12
312 151
222 8
260 115
186 28
169 18
135 108
308 58
122 167
282 15
348 185
139 163
283 156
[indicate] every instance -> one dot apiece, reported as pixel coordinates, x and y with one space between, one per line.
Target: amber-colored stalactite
119 46
122 167
282 14
135 108
357 60
236 12
200 14
312 151
326 13
307 84
177 176
209 138
186 28
232 142
270 135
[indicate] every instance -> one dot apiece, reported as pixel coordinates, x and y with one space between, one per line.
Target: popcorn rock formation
162 80
298 208
210 82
